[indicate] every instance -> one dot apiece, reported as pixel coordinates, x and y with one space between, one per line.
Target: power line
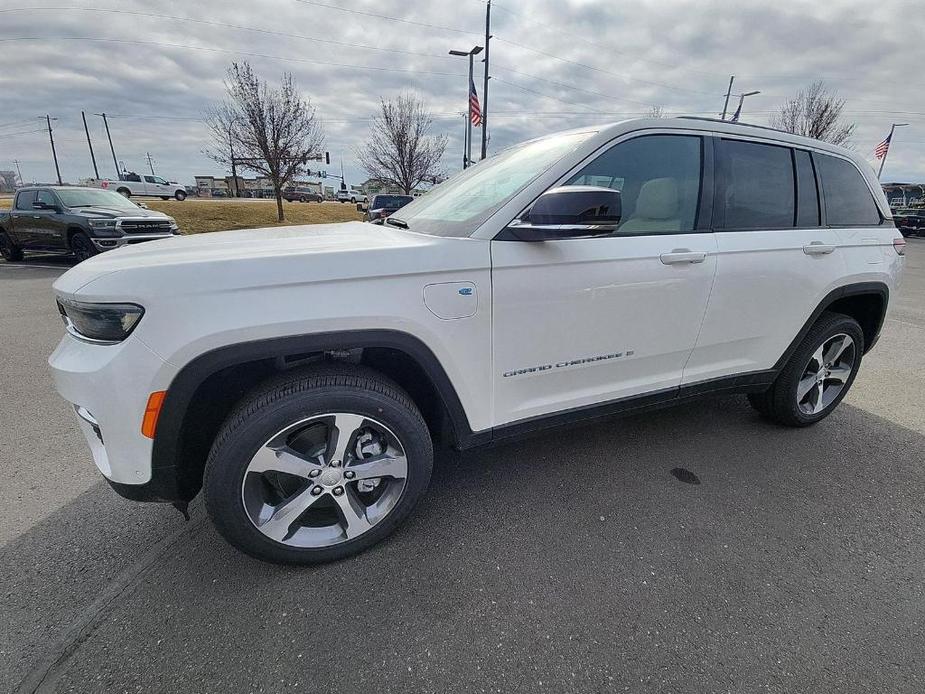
24 132
225 25
163 44
388 18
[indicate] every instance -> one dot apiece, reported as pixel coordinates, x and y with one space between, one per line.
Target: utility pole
96 172
115 162
485 82
728 93
53 153
150 163
21 182
889 142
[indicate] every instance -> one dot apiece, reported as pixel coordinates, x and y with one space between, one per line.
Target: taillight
899 245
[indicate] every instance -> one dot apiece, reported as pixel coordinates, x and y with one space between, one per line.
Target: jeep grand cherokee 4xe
301 376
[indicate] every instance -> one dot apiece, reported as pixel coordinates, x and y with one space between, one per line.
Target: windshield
458 206
391 200
91 197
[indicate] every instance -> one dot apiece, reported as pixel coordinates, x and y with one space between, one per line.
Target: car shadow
575 558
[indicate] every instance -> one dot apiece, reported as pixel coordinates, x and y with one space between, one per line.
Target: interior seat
656 208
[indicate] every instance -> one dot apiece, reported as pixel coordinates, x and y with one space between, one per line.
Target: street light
738 113
467 145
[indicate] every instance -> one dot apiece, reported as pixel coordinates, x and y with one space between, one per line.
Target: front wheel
817 376
317 466
180 195
82 247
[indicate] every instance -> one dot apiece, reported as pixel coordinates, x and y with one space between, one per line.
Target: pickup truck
84 221
152 186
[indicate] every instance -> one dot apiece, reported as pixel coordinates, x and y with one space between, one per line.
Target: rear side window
848 201
756 188
25 199
807 191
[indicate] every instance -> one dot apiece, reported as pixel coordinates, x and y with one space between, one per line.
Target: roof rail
729 122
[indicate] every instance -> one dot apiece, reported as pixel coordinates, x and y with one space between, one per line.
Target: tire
353 201
238 498
82 247
180 195
302 199
165 197
125 192
9 250
810 386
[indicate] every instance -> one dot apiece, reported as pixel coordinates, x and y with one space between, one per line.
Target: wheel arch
74 229
866 302
205 391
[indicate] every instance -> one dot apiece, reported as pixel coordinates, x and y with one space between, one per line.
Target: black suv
381 206
83 221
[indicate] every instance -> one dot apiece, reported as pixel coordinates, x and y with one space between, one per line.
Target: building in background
904 194
259 187
8 180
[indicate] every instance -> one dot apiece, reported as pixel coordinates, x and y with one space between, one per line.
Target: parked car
151 186
381 206
910 221
84 221
301 195
300 377
351 196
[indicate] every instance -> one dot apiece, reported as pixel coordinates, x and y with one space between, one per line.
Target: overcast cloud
556 64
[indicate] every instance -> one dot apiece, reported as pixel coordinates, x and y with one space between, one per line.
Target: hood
113 212
236 260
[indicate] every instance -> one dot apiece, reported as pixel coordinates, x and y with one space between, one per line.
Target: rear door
21 218
775 258
48 227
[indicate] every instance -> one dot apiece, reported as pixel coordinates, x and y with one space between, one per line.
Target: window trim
702 213
796 183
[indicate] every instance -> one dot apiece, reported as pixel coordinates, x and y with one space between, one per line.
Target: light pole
467 155
728 94
738 113
112 149
889 141
90 145
54 154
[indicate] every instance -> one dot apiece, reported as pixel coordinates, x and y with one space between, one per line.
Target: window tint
807 192
25 199
658 177
46 197
150 179
848 201
160 181
756 188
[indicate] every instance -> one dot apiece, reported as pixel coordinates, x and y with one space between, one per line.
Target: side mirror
142 205
570 212
44 206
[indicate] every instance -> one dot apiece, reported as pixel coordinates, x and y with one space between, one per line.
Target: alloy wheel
826 374
324 480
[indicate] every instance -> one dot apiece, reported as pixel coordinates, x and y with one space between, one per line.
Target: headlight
106 323
104 227
174 227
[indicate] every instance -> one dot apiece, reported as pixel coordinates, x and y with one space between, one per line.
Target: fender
169 483
876 288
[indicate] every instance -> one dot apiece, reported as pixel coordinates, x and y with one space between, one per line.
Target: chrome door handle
682 255
818 248
36 216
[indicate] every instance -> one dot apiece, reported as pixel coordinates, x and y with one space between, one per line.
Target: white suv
299 376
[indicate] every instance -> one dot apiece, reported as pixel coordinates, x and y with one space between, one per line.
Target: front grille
139 226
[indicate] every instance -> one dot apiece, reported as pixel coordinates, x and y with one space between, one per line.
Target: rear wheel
124 192
180 195
82 246
317 466
817 376
9 250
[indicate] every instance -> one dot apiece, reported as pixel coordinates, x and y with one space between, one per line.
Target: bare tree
399 150
815 112
224 128
272 131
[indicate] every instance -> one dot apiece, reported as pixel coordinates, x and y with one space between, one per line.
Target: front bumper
108 387
108 244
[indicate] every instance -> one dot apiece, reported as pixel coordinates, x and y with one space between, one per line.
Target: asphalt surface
570 562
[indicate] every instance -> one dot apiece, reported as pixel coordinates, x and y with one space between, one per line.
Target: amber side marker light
152 412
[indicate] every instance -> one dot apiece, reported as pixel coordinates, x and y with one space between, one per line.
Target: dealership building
904 194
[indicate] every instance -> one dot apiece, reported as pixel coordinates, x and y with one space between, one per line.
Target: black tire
287 400
180 195
302 199
165 197
780 402
9 250
125 192
82 247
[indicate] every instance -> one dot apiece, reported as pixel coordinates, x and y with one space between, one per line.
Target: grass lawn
197 216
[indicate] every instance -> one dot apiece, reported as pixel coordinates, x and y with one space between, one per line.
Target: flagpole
886 154
469 127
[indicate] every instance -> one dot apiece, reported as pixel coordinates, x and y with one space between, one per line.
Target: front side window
46 197
658 177
160 181
756 188
848 201
150 179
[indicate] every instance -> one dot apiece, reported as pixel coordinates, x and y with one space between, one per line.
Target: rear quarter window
25 199
848 200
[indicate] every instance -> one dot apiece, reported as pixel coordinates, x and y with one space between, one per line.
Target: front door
48 228
580 322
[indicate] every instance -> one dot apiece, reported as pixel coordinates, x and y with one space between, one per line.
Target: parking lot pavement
572 561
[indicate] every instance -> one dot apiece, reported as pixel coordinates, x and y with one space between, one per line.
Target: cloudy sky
154 67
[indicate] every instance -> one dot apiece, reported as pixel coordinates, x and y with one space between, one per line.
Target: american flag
883 147
475 111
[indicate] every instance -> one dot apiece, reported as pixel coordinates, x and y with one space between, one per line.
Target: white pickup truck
136 184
